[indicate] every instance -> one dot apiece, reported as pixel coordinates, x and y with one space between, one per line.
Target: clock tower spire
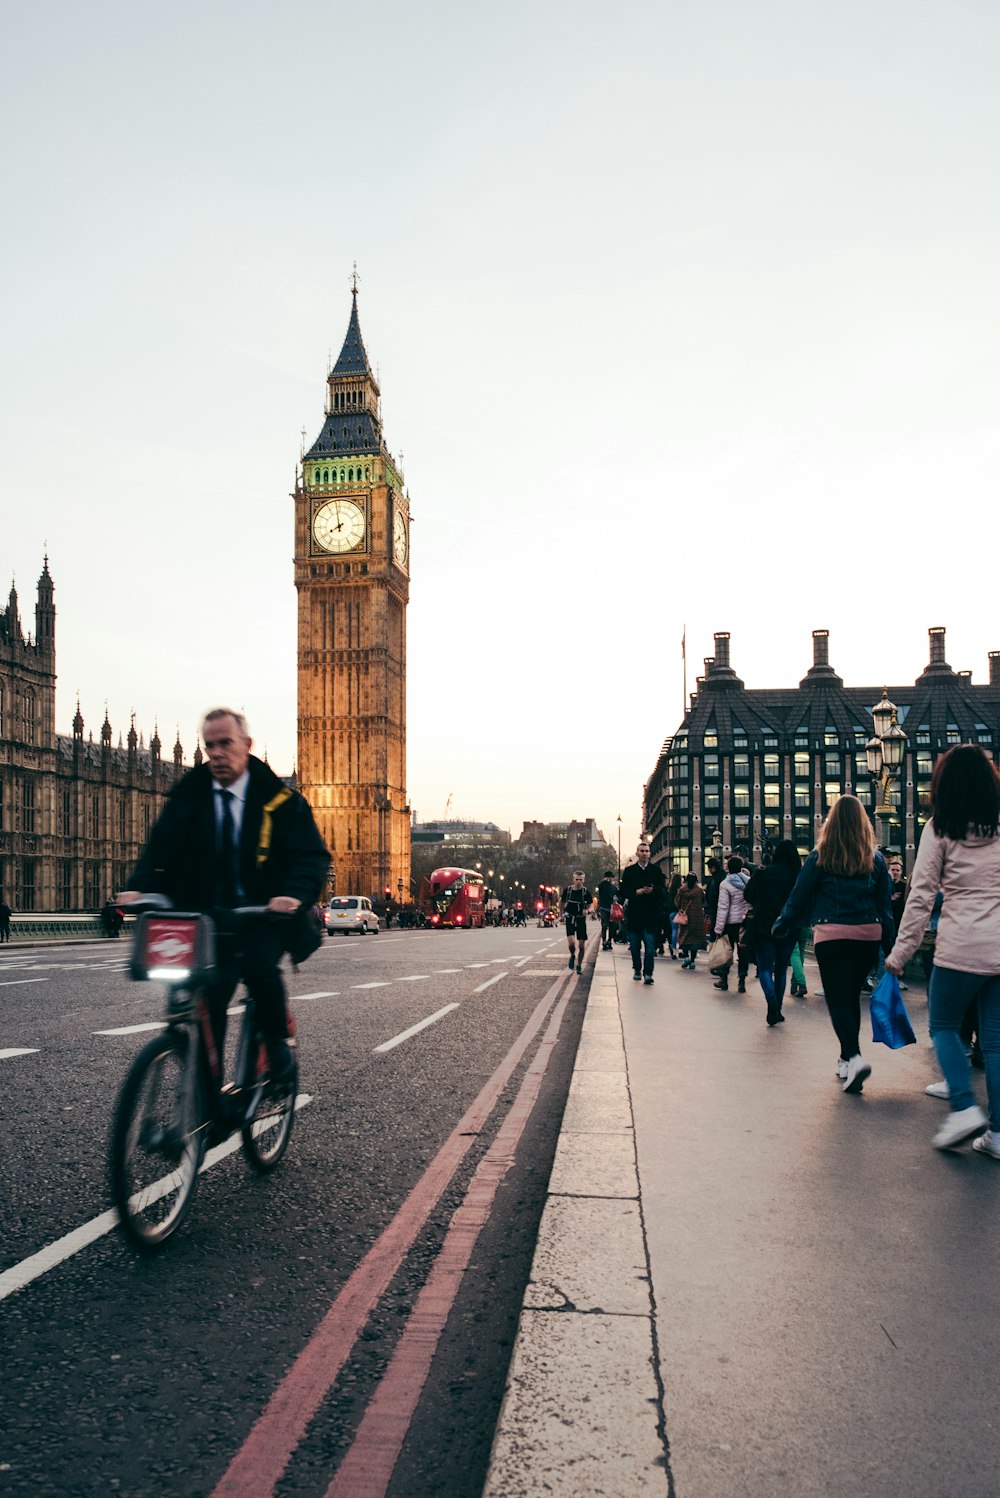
352 561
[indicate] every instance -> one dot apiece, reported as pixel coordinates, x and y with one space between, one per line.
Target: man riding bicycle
232 834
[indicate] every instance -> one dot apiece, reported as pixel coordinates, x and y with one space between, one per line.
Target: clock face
400 546
339 525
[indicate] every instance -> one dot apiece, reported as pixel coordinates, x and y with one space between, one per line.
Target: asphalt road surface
277 1340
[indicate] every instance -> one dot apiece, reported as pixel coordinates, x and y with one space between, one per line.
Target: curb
583 1410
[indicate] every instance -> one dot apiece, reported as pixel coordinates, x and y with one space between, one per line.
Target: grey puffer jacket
733 906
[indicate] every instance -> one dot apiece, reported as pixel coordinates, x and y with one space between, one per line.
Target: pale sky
682 313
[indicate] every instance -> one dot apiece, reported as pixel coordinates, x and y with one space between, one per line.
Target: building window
803 767
925 764
952 735
831 738
741 799
95 817
121 819
772 767
27 806
710 801
802 798
831 791
741 830
741 767
27 899
29 717
710 767
92 879
66 884
712 740
831 763
772 795
770 741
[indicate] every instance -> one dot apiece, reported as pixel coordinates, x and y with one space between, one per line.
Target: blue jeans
947 1000
646 939
674 928
773 958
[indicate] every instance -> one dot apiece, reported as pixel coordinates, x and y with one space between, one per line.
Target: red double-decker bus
452 897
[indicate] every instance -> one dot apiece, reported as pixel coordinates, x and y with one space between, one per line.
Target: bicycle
173 1103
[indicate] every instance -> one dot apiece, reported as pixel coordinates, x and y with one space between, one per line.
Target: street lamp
885 751
619 846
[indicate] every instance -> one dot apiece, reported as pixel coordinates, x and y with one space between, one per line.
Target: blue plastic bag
890 1021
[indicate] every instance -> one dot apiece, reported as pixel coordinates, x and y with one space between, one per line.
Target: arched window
368 472
316 477
326 475
350 475
29 717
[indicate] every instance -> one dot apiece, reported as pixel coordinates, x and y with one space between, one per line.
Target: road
270 1324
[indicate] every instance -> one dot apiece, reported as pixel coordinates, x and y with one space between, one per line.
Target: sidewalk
745 1282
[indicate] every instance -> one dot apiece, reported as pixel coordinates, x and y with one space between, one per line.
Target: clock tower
352 574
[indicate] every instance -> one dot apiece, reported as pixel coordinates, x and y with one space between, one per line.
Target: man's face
896 870
228 749
578 881
642 852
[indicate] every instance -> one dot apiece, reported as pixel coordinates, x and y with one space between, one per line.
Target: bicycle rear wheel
266 1136
158 1140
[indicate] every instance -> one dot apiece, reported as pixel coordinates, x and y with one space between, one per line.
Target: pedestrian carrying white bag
719 955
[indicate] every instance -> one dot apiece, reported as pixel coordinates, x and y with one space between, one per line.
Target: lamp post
885 751
716 849
619 847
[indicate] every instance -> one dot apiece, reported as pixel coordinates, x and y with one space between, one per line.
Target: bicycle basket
175 947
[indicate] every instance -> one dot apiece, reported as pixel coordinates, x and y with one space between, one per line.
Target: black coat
281 850
643 912
767 892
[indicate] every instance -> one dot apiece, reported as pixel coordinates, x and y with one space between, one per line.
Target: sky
684 316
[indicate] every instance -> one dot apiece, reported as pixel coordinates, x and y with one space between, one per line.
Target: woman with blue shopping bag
959 854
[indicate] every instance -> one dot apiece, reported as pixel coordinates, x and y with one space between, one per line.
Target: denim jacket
820 898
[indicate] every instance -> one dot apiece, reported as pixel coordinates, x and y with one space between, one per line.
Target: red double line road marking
258 1466
369 1464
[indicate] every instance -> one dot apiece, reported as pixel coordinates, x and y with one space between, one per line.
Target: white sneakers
857 1070
841 1071
938 1089
988 1144
960 1126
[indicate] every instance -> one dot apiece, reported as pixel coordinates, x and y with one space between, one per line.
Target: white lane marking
64 1248
447 969
19 1050
541 972
431 1019
490 982
160 1024
13 982
522 960
369 985
413 978
331 994
477 964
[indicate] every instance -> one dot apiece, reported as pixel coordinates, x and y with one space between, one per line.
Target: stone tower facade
352 574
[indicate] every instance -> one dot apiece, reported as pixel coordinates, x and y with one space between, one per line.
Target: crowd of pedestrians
864 920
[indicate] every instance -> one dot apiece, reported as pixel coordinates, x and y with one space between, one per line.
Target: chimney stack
722 650
821 647
995 668
937 646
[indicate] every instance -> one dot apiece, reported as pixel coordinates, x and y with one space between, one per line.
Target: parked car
351 913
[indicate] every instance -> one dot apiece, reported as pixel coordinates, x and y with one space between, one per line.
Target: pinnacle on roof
353 360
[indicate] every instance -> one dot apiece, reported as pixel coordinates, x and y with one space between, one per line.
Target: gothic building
73 814
747 768
352 567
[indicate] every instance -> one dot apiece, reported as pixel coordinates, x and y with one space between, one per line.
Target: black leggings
843 968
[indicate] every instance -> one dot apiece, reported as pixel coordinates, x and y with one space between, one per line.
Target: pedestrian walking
714 875
843 889
607 894
691 927
729 917
672 891
766 894
575 900
643 888
798 985
5 915
959 854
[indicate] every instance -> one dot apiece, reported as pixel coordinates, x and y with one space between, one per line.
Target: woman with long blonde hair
843 891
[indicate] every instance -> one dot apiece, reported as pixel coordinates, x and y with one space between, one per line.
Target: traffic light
388 890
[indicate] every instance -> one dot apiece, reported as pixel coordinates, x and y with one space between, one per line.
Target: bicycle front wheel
158 1140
